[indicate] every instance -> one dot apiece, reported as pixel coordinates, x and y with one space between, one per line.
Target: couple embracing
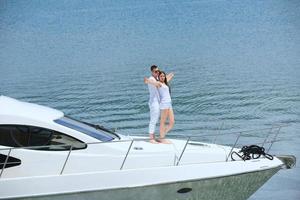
160 103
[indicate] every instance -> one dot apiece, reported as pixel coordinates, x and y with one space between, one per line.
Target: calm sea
236 63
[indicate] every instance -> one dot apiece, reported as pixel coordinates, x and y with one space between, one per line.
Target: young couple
160 103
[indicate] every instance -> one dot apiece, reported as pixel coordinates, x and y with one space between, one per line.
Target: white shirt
154 95
164 94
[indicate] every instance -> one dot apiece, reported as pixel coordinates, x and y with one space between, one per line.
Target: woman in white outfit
165 104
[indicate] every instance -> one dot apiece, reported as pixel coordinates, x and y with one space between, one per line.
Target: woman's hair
166 81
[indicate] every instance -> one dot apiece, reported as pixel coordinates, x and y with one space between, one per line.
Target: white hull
239 179
236 187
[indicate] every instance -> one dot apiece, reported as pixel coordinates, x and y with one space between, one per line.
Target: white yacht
47 155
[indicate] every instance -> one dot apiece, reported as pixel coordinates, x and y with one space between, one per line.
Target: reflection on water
236 64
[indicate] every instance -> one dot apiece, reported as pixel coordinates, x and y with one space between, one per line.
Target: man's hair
153 67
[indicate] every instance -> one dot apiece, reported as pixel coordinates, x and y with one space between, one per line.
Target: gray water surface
236 63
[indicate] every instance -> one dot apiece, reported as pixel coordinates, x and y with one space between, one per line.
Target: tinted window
30 136
86 129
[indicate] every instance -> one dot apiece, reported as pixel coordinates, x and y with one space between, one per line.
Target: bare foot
164 141
153 141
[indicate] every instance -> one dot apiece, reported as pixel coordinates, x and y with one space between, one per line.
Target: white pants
154 116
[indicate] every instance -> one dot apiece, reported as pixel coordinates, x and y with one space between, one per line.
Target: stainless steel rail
62 170
275 137
5 163
187 141
236 141
188 138
126 155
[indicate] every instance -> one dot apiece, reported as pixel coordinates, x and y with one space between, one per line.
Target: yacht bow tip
289 161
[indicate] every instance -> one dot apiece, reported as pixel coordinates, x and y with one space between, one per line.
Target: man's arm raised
152 82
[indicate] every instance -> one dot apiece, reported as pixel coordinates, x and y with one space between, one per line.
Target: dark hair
153 67
166 81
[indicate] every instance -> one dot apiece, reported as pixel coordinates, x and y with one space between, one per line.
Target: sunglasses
156 71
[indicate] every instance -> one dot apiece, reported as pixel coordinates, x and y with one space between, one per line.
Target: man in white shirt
153 103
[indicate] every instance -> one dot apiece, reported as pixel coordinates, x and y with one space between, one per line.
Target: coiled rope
251 152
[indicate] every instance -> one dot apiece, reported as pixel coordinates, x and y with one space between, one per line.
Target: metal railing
273 130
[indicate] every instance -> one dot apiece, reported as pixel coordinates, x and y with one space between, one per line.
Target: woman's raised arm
170 76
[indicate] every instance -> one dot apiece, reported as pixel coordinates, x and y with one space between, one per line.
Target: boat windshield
94 131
